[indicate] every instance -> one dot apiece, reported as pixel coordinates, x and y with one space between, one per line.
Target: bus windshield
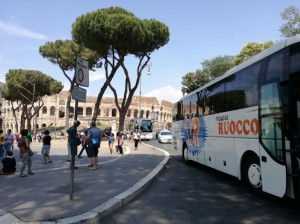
146 126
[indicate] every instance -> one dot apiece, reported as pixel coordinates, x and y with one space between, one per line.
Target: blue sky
199 30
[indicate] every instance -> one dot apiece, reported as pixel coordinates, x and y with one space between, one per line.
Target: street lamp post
153 119
149 65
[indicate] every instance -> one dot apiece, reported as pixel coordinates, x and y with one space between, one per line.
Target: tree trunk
15 117
122 119
98 101
28 124
105 85
22 125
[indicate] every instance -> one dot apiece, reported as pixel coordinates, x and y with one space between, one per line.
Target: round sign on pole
80 75
82 72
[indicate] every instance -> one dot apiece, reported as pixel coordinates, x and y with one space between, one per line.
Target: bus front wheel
252 173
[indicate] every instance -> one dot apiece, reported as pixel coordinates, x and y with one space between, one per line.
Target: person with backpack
94 140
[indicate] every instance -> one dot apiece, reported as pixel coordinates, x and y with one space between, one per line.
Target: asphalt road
197 194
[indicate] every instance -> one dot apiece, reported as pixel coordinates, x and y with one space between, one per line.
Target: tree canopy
217 66
63 53
115 33
25 88
193 80
211 69
292 26
27 85
249 50
115 29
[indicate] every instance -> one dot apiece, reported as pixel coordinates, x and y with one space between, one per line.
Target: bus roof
274 48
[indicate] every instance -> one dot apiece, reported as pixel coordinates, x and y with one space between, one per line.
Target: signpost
82 72
78 94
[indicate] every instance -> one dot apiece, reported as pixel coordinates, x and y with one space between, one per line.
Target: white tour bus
246 123
144 126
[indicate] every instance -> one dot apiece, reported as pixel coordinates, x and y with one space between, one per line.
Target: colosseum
53 112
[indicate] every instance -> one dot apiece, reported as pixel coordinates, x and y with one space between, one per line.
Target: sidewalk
44 197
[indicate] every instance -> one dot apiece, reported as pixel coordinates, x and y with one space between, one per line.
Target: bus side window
241 89
275 67
186 108
201 102
194 107
215 98
271 121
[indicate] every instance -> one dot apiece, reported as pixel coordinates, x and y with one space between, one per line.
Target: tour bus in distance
144 126
246 123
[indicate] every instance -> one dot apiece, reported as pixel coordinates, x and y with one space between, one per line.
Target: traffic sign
82 72
79 94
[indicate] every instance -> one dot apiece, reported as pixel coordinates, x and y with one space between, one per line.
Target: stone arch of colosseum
52 112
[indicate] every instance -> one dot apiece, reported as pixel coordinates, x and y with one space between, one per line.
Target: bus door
294 159
273 169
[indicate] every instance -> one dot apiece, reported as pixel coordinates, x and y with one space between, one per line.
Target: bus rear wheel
185 154
252 173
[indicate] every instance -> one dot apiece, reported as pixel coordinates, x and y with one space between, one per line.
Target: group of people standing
6 146
90 141
9 162
6 142
118 142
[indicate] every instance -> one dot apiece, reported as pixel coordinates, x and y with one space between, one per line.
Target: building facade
52 114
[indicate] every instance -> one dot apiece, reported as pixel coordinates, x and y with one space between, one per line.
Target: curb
107 208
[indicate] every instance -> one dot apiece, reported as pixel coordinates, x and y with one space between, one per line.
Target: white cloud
95 75
167 93
19 31
66 86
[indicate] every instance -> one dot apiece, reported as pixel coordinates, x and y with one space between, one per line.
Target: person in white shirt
136 138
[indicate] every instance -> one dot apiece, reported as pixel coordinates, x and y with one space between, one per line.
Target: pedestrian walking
46 147
136 138
128 136
25 153
111 142
120 142
94 140
83 143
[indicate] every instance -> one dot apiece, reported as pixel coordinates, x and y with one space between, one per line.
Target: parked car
165 136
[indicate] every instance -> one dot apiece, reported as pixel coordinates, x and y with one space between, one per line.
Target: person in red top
24 147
